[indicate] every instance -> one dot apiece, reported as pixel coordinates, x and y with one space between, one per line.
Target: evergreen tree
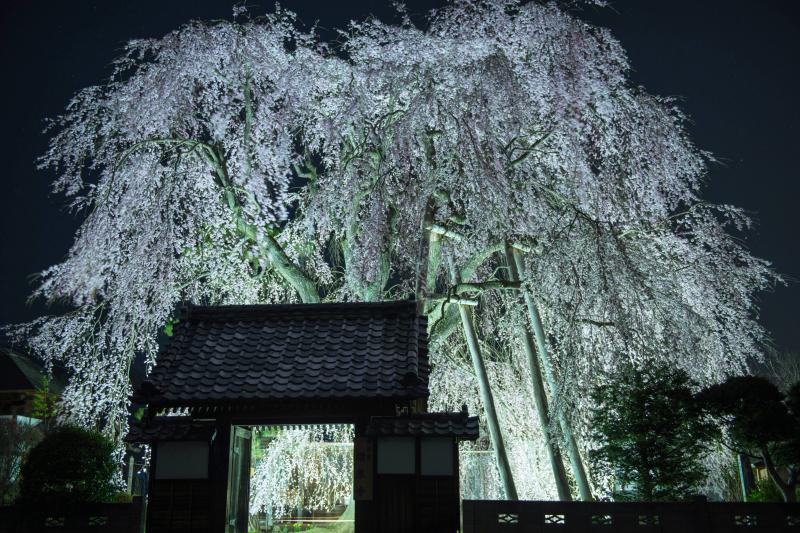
650 433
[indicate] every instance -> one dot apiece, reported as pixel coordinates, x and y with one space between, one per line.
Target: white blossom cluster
248 162
303 468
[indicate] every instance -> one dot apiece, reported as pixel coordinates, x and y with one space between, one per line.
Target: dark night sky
734 63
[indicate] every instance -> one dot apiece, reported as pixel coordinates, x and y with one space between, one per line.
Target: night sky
733 63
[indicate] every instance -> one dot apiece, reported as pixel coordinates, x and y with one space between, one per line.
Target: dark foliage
763 422
765 491
651 433
16 439
71 465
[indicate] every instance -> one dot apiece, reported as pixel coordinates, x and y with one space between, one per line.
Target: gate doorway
286 478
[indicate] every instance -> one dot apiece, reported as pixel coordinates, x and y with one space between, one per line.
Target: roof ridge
422 416
205 311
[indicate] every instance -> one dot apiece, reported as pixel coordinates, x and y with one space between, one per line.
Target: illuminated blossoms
248 162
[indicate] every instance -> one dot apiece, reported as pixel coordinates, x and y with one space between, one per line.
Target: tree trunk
267 245
576 463
540 398
428 258
305 287
503 466
787 489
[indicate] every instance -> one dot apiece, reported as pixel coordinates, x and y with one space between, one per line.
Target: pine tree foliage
650 434
250 162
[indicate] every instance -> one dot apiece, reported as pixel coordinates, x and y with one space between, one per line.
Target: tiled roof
425 425
23 372
169 428
11 377
290 352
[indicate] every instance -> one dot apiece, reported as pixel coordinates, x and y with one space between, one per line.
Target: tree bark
427 260
374 291
305 287
503 466
267 245
576 463
787 489
540 397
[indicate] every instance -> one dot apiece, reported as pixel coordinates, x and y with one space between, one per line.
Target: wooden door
396 504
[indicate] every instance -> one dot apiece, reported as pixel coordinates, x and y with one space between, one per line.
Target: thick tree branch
787 490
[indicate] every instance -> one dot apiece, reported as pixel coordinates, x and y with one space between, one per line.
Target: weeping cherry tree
496 163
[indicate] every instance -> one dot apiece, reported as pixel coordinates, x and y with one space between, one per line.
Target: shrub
765 491
121 496
71 465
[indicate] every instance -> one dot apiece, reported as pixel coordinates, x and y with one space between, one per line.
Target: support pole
745 476
540 397
428 258
576 463
503 466
130 475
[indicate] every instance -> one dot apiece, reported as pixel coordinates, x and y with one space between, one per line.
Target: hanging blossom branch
303 468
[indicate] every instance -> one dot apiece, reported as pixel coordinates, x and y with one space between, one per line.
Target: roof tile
457 425
279 352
